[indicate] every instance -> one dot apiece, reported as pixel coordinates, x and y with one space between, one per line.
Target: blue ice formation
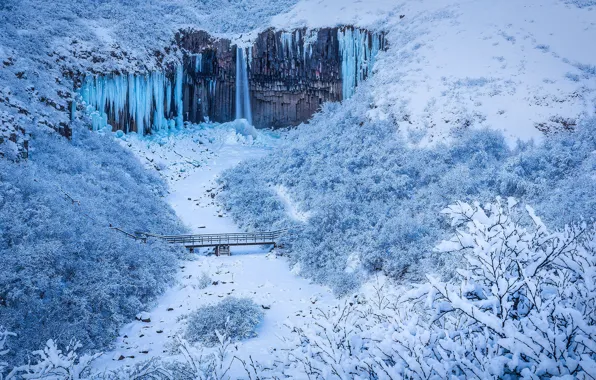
198 58
198 65
243 110
291 43
178 97
358 49
134 102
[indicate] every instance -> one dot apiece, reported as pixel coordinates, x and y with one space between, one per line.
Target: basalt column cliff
284 77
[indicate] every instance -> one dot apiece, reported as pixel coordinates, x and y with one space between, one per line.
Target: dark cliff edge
290 74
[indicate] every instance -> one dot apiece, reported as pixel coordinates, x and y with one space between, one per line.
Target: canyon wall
290 74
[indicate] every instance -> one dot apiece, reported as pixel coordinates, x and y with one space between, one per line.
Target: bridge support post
222 250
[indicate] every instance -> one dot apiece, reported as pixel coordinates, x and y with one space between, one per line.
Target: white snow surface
507 65
292 208
327 13
521 67
257 272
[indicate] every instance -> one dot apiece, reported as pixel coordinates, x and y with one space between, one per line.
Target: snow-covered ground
522 67
190 160
517 66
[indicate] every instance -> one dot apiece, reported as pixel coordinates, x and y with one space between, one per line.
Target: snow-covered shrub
236 318
374 196
557 176
522 304
64 272
204 280
582 3
202 363
51 362
3 351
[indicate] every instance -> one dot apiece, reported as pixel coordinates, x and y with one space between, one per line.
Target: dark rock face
209 77
290 75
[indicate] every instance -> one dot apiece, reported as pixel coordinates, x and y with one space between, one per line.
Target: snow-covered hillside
517 66
523 67
412 250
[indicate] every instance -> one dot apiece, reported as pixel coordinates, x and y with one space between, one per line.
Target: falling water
242 91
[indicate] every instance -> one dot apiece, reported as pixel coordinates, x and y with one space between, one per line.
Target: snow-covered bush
524 301
204 280
64 272
523 304
373 195
235 318
3 350
557 176
202 363
51 362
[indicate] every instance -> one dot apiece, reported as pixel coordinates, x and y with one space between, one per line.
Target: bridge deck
229 239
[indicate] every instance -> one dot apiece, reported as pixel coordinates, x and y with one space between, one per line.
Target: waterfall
178 97
242 92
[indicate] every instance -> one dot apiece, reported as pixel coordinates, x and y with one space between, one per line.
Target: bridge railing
221 239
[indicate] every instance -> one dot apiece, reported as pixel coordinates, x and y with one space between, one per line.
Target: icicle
169 100
198 63
144 99
131 99
358 57
287 43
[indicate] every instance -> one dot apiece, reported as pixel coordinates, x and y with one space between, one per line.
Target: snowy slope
514 66
518 66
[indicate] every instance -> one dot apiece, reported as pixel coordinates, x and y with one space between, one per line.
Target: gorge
287 76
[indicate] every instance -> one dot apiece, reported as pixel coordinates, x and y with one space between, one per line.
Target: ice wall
134 103
358 49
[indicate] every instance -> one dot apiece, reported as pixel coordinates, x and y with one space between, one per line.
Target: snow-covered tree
203 363
60 260
3 350
521 304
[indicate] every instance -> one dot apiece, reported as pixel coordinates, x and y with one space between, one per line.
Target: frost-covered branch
3 351
520 305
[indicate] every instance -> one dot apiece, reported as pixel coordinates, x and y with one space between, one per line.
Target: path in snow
250 272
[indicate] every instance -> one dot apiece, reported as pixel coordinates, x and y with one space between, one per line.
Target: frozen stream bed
191 160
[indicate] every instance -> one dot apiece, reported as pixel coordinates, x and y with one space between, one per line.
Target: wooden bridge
221 242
